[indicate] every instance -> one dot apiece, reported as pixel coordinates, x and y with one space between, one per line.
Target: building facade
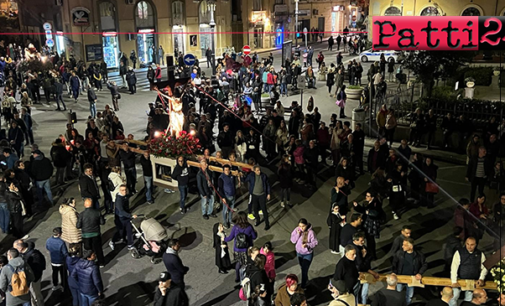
144 26
435 8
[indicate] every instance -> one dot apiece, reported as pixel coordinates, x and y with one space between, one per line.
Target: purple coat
297 239
248 231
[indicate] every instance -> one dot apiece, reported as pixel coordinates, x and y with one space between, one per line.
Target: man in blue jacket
122 219
87 276
259 188
173 263
227 192
58 252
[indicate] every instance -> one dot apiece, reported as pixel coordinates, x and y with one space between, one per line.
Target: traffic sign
47 26
353 18
189 59
246 49
50 43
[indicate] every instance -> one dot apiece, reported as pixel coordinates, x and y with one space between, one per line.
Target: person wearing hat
340 294
168 293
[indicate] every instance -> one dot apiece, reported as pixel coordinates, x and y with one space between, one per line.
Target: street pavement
132 281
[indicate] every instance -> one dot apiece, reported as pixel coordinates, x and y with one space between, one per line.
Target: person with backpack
256 276
87 275
304 239
244 234
37 263
16 279
58 252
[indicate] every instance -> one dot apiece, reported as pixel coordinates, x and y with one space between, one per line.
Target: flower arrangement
498 273
167 145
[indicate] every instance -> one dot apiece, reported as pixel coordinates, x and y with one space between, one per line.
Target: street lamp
211 4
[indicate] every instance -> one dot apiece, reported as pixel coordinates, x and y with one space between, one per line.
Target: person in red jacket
157 73
271 79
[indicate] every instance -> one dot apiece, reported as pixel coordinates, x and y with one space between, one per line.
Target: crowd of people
103 161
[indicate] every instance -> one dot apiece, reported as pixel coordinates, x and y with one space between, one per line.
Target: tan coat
282 298
70 232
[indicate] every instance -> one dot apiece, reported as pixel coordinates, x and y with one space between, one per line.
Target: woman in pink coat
270 264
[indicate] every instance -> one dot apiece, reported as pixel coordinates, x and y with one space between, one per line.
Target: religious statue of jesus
174 111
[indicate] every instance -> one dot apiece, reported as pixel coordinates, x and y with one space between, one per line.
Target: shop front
258 27
178 27
337 18
146 27
110 41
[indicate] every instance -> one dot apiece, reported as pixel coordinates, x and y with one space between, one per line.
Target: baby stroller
151 240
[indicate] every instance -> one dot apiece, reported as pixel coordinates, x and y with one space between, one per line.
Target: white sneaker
111 245
282 204
25 237
395 216
335 252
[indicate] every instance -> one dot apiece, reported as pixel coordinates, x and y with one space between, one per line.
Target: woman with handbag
341 99
430 186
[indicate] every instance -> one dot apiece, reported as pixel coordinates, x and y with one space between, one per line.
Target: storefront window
392 11
205 38
107 16
145 15
110 50
471 11
178 12
430 11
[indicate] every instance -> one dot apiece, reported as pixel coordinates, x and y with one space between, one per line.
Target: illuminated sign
260 16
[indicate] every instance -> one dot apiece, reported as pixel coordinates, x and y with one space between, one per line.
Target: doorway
320 24
258 37
145 43
178 40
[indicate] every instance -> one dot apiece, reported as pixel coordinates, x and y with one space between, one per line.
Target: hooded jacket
297 238
5 281
87 275
71 262
41 168
181 174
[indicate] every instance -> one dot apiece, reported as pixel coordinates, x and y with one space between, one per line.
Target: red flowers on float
169 146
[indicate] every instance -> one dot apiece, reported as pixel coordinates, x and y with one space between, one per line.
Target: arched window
430 11
144 15
203 12
471 11
178 12
392 11
107 16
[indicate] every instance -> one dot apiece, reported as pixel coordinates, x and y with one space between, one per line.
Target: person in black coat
15 206
397 178
430 175
222 252
16 138
376 158
372 213
89 187
479 171
131 79
415 176
173 263
60 157
346 269
339 194
258 277
285 180
335 222
169 294
345 170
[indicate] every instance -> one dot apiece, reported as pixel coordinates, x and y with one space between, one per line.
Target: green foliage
443 92
482 75
354 87
265 95
431 65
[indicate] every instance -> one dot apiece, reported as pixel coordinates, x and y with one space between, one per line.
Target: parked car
371 55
